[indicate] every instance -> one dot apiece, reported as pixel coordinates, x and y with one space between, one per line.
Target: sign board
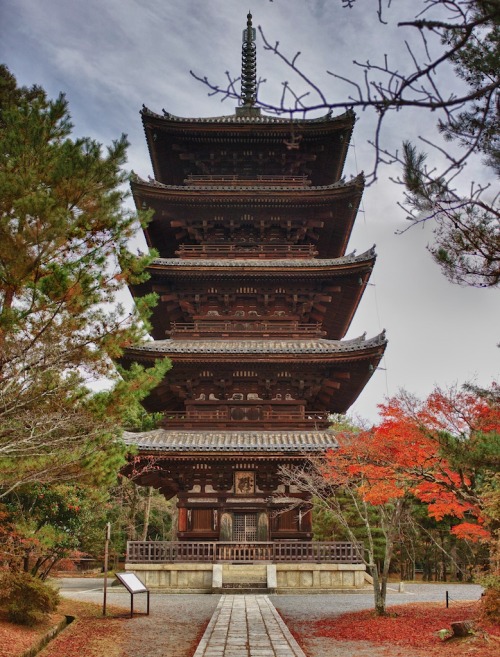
133 585
131 582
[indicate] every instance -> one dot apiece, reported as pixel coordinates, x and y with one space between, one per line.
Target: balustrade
259 418
275 551
247 327
240 181
247 251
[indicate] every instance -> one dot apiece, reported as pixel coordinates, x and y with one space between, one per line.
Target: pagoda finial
249 65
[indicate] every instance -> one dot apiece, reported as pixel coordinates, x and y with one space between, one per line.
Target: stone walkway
247 626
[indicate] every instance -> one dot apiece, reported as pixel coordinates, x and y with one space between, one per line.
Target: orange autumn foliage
421 449
405 629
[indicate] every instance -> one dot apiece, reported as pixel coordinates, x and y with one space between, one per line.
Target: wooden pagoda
256 293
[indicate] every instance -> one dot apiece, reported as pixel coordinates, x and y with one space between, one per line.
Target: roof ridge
237 118
271 262
232 441
151 182
269 346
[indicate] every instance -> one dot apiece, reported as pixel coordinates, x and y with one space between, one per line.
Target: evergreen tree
63 259
467 244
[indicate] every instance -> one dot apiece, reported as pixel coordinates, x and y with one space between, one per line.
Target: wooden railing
171 419
247 251
258 179
276 551
242 328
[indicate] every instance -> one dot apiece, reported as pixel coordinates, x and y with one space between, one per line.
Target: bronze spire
249 65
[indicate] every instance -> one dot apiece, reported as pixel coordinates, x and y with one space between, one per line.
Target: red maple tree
438 450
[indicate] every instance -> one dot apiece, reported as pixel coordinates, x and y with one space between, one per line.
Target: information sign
133 585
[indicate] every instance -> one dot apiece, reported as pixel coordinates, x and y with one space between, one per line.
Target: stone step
252 590
244 574
244 585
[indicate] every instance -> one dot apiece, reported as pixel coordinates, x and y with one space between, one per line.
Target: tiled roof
242 119
264 263
232 441
261 346
353 182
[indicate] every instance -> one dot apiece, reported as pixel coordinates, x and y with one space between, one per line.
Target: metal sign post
133 585
106 558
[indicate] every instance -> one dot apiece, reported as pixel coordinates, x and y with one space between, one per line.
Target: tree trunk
132 512
147 513
444 574
378 590
463 628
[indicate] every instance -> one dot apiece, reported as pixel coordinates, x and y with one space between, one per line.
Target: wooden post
106 558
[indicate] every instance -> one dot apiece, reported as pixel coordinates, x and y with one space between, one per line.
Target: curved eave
253 350
340 202
262 268
265 443
207 194
166 119
163 131
348 276
357 358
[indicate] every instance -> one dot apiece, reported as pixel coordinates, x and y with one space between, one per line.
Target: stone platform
270 578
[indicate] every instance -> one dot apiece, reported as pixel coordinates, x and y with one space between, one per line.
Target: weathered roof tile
261 346
247 118
265 263
353 182
162 440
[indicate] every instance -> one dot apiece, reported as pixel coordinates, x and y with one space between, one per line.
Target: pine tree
64 231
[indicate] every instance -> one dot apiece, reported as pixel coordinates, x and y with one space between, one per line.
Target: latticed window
245 527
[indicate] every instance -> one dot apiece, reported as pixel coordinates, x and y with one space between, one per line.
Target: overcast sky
111 56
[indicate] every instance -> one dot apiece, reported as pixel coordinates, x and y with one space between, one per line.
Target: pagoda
251 221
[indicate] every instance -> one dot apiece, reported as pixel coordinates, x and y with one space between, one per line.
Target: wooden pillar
262 526
182 520
226 527
306 521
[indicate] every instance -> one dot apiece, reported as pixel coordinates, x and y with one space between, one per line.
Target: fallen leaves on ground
15 639
90 634
412 626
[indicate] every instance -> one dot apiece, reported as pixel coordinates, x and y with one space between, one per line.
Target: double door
245 527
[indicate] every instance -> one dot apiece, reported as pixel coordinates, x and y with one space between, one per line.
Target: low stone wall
281 577
175 577
309 577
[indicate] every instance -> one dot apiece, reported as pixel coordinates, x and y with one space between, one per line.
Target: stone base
307 577
175 577
280 578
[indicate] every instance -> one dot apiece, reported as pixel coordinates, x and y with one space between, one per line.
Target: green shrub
27 599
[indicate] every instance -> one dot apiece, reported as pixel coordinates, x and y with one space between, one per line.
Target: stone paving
247 626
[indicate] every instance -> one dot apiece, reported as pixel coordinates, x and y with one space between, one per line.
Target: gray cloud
110 56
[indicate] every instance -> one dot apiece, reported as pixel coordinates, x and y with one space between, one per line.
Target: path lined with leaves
324 625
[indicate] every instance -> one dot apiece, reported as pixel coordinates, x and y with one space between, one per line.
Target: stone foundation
175 577
280 578
310 577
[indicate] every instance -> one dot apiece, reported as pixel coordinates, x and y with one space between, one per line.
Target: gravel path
319 606
176 622
172 629
298 610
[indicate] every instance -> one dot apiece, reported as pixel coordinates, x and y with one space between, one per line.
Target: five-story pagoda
251 222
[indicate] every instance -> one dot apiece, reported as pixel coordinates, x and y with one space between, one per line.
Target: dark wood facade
251 222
